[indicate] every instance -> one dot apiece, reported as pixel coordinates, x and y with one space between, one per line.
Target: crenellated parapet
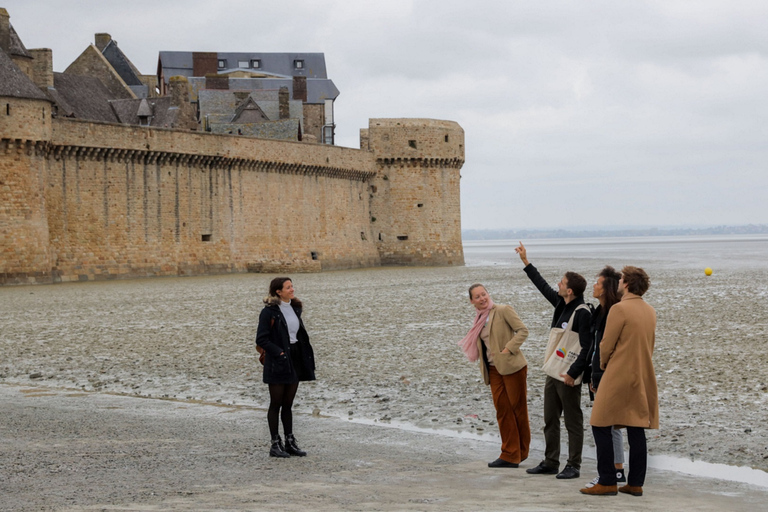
447 163
59 152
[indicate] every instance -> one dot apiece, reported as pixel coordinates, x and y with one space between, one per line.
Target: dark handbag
261 351
262 354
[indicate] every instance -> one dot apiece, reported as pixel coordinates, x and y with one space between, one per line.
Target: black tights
281 397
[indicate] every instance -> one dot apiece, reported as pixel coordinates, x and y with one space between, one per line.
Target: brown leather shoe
600 490
634 490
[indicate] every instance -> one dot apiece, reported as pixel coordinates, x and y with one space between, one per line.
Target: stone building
90 200
107 62
302 74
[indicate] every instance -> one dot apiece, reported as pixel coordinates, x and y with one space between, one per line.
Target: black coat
272 335
594 373
581 322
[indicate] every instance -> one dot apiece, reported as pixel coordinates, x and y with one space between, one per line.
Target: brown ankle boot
634 490
600 490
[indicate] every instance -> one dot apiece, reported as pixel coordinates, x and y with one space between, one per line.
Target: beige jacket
506 330
627 395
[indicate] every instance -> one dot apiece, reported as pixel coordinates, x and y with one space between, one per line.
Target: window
402 237
242 64
222 63
256 63
412 143
298 64
206 238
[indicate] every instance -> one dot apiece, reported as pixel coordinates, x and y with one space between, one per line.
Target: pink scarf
468 344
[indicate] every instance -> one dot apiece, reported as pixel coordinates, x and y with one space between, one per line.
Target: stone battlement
88 201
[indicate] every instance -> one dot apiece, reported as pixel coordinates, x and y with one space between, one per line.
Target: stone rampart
95 201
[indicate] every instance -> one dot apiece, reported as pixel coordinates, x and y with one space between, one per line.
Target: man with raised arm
562 397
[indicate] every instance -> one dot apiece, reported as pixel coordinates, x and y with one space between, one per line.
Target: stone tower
415 214
25 126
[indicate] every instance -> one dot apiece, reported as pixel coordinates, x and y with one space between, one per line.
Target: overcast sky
576 113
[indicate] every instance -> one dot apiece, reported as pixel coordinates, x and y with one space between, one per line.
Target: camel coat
506 330
627 395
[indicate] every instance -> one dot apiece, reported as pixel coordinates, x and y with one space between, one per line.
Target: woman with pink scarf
495 339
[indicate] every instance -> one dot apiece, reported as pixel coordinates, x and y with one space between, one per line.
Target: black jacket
581 322
272 335
593 374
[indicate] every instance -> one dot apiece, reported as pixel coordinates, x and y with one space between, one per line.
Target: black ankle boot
277 449
291 446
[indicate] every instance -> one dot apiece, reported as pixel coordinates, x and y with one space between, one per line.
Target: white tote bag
563 348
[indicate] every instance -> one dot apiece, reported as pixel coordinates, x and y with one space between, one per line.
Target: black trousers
638 456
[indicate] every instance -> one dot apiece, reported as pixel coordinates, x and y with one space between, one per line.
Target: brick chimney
102 40
42 67
282 101
300 88
5 31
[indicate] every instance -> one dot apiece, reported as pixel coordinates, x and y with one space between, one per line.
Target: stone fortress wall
81 200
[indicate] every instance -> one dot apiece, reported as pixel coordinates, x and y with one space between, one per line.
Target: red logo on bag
561 353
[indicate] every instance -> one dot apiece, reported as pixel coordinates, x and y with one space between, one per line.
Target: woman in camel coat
627 395
495 339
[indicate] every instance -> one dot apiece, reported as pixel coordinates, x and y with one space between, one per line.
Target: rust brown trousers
510 397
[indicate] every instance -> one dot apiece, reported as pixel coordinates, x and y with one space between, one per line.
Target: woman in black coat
606 291
283 343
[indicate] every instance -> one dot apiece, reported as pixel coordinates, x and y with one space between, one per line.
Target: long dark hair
277 284
610 287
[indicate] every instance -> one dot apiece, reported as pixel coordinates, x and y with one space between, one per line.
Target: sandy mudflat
385 341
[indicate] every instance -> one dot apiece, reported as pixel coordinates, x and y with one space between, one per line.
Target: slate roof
17 47
121 64
219 106
318 90
14 83
162 113
82 97
180 63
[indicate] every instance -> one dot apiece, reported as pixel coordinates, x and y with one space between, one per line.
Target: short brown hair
576 283
636 279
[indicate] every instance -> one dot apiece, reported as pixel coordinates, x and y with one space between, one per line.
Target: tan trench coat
627 395
506 330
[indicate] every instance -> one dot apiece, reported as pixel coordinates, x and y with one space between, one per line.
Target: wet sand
76 452
385 343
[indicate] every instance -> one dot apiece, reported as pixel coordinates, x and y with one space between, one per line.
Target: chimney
300 88
282 101
5 31
179 91
102 40
42 67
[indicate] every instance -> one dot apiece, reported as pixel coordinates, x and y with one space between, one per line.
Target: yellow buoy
708 271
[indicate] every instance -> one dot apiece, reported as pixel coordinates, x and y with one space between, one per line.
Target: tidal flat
385 344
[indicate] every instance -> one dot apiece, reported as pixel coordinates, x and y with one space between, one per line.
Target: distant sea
715 251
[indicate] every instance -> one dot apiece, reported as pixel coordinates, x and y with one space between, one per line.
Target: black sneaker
568 472
620 478
541 469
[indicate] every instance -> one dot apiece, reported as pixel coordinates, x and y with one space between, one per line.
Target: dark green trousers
562 400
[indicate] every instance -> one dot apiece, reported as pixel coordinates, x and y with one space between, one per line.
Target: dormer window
242 64
256 63
222 63
298 64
